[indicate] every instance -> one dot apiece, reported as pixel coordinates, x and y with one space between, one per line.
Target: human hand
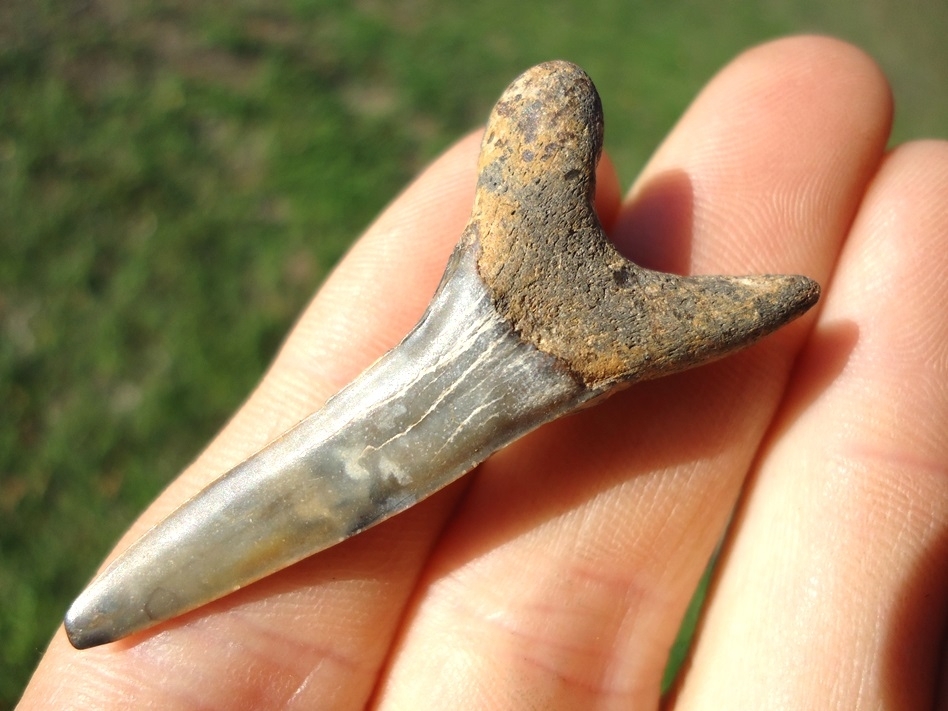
557 574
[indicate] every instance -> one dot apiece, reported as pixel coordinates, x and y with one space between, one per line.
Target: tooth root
556 277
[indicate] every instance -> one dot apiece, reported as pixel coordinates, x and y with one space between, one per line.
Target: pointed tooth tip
86 639
83 631
94 620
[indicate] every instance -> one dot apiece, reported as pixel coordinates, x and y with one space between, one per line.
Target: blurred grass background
176 178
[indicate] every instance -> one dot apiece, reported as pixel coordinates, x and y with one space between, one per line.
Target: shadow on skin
656 230
823 359
914 647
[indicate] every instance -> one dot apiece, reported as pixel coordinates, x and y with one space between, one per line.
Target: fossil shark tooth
537 314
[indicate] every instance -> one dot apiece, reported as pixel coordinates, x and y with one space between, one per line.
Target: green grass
176 179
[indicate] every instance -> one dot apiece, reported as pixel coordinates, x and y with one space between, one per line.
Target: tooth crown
460 386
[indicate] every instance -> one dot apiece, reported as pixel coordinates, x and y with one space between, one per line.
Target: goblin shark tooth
537 314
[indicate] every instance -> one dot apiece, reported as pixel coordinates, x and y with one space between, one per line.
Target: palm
556 576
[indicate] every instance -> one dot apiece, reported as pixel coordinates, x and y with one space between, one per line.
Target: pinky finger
833 591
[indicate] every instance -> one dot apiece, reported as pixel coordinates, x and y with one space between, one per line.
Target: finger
833 591
315 633
563 576
318 629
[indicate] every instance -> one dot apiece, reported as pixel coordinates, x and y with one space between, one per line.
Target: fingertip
843 70
765 170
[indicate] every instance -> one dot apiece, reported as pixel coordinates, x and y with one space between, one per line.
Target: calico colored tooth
536 315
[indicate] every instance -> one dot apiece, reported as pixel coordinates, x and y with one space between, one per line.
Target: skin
557 574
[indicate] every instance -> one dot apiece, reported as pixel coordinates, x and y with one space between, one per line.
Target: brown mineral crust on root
554 275
541 248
